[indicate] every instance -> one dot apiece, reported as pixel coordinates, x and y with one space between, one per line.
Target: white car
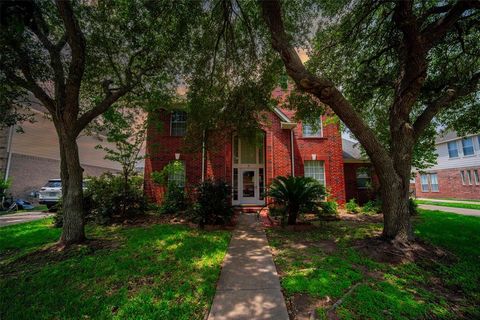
51 193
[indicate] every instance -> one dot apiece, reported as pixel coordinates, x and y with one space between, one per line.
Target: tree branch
436 30
320 87
450 95
76 41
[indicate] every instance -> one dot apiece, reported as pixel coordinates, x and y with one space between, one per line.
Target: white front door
248 186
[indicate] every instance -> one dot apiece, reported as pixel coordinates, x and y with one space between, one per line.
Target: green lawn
148 272
320 266
450 204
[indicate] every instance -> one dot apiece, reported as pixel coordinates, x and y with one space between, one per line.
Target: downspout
9 152
292 152
203 156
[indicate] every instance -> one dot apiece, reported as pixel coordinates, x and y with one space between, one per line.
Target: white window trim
427 184
462 175
458 150
431 184
476 176
314 136
324 171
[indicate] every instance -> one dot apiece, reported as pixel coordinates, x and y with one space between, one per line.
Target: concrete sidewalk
15 218
462 211
249 287
451 201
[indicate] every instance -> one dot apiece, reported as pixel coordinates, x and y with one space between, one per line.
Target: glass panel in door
248 181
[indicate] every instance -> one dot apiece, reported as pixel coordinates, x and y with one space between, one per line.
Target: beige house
35 155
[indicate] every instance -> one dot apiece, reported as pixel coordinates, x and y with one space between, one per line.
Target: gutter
203 156
9 152
292 152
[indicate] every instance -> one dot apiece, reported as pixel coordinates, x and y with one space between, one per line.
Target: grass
450 204
321 266
36 208
149 272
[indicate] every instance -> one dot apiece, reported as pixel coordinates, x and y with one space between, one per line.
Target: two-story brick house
457 172
249 165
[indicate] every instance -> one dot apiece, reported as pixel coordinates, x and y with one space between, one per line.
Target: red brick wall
450 185
351 189
161 149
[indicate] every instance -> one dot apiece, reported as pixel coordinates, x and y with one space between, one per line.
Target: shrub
372 206
108 197
296 194
174 200
352 206
328 208
212 203
412 207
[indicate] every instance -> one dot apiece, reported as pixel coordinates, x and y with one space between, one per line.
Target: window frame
431 182
477 177
456 149
318 134
469 176
422 184
462 175
173 176
366 171
470 146
324 182
172 122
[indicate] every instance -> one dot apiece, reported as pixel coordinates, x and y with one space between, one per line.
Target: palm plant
296 194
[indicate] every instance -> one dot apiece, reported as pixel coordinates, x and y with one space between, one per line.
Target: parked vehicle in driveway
51 193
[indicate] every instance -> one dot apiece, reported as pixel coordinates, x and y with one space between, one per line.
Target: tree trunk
292 216
72 192
394 191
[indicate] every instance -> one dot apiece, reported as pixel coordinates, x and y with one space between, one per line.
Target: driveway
9 219
462 211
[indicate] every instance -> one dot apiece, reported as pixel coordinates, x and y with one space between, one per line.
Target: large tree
79 58
388 69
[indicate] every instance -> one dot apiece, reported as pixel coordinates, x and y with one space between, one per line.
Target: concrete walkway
249 287
14 218
462 211
452 201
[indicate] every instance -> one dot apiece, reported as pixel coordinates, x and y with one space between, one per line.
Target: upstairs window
452 149
312 130
467 144
178 125
316 170
363 178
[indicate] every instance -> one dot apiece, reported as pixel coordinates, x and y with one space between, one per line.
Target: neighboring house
285 148
360 180
35 156
456 174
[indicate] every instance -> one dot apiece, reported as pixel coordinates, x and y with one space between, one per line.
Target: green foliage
212 203
174 200
4 186
328 208
173 168
296 194
352 206
412 207
106 199
358 50
156 272
372 206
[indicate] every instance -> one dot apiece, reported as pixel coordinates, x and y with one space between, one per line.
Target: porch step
252 209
